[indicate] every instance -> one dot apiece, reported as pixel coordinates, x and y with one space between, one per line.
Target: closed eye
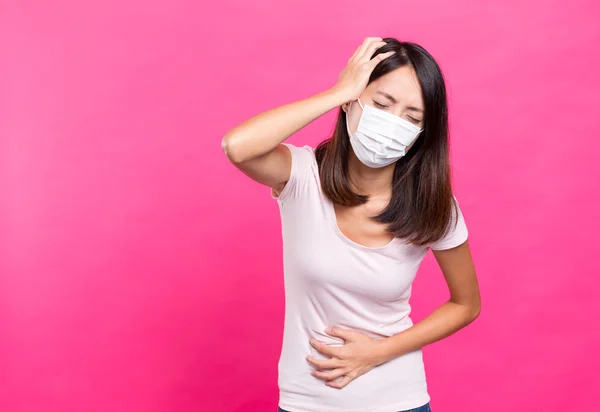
382 106
410 118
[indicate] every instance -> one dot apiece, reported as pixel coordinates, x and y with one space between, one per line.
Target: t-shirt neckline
332 216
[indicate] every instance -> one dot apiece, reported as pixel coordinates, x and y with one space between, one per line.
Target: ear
345 107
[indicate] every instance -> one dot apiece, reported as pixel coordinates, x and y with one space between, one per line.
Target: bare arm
460 310
255 147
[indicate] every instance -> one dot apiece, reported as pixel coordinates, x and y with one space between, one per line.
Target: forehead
402 84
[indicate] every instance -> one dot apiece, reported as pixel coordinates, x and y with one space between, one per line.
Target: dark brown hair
422 202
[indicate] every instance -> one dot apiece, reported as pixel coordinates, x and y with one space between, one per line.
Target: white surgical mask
381 138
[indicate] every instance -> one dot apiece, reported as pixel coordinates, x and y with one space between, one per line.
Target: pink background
141 272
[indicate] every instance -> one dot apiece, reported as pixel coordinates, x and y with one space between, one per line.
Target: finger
361 50
370 51
339 384
324 363
323 348
355 53
367 41
379 58
345 334
329 375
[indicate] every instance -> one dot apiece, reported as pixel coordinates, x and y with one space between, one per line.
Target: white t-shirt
332 281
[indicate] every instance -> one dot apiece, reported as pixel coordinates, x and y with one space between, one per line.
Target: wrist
382 351
392 347
339 94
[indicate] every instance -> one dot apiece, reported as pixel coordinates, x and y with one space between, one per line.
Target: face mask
381 138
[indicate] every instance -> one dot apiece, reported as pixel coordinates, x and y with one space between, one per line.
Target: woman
358 216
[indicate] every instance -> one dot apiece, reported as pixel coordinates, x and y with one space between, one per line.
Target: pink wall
141 272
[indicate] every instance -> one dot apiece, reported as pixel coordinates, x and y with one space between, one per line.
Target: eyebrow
391 98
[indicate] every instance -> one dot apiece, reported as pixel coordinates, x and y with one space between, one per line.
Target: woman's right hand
354 78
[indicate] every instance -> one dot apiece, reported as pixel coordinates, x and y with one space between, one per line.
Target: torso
342 268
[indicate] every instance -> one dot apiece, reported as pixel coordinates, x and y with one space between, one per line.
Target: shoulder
303 160
303 172
301 153
457 232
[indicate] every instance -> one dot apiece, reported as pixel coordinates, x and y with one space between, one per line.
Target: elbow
475 313
474 310
469 310
230 146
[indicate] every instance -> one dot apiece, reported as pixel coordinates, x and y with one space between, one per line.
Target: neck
375 183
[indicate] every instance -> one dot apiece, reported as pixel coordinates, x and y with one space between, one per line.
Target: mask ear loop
347 120
348 112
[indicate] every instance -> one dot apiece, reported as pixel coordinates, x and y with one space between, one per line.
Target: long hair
422 203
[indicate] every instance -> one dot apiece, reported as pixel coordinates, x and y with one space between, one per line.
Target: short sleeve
457 233
301 173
